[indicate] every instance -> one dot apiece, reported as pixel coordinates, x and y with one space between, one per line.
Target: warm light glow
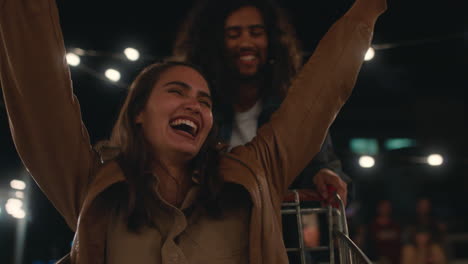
14 202
79 52
113 75
14 208
369 54
132 54
19 214
19 194
18 185
73 59
366 161
13 205
435 160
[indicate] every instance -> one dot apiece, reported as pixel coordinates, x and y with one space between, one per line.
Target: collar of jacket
95 213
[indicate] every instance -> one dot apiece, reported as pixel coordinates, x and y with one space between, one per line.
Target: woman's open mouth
185 126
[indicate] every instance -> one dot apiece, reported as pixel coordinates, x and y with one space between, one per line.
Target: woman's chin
186 151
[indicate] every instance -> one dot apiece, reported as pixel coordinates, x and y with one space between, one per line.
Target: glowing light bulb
73 59
19 214
366 161
18 185
435 160
369 54
132 54
112 75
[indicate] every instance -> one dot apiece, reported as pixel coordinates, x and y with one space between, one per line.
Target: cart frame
348 251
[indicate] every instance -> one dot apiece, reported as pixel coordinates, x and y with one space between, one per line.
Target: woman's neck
174 181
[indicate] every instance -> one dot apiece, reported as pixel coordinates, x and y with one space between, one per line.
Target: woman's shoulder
106 151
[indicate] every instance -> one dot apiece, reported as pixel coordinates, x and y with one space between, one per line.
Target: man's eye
205 103
231 34
257 32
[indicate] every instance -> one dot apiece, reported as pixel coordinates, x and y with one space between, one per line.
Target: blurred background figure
423 249
385 235
425 218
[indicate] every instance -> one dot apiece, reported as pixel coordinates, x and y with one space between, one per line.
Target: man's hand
326 177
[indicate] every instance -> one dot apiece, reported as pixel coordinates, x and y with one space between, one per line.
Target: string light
435 160
369 54
366 161
14 208
132 54
79 52
112 75
73 59
18 185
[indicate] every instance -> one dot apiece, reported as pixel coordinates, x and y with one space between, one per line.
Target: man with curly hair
249 51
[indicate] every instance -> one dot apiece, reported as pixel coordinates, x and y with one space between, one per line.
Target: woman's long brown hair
135 156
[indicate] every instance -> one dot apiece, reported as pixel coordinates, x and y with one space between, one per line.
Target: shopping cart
347 251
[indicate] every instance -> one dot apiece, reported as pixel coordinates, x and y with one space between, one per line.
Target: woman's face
177 117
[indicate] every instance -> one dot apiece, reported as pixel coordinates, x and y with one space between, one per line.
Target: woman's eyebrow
253 26
186 86
179 83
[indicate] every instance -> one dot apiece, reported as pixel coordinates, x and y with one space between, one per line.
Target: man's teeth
185 122
247 58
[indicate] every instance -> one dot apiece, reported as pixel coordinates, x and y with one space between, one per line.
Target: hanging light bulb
369 54
132 54
18 184
435 160
112 75
73 59
366 161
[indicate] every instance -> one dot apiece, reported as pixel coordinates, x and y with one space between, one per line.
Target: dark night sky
413 90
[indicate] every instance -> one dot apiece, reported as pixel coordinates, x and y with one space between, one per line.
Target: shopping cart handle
309 195
304 195
334 199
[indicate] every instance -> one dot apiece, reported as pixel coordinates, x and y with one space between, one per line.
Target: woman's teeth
185 122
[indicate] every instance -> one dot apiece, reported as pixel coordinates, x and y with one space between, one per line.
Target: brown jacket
54 145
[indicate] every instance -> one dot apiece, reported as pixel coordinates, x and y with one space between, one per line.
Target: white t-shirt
245 125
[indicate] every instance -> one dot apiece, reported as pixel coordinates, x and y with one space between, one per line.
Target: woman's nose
192 104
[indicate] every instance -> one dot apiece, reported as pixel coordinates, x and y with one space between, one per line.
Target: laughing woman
168 195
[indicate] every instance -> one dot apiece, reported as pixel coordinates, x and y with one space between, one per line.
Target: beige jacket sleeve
284 146
44 114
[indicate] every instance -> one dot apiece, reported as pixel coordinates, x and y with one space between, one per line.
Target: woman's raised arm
44 115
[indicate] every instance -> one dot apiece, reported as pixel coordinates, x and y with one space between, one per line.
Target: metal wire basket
341 248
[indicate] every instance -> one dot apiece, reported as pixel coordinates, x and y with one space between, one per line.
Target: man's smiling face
246 40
